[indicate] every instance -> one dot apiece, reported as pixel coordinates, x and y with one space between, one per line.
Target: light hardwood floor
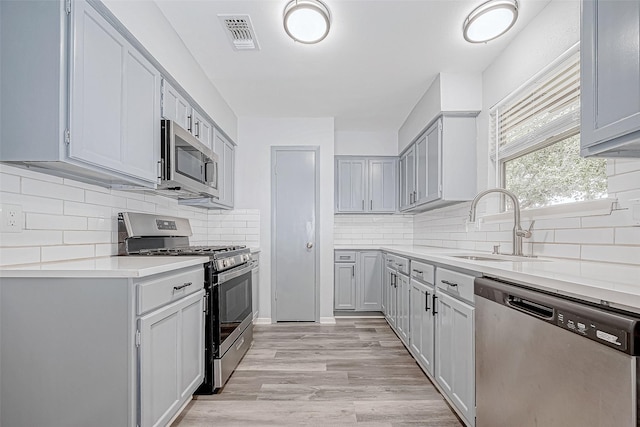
356 373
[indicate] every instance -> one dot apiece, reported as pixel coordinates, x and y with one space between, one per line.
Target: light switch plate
11 219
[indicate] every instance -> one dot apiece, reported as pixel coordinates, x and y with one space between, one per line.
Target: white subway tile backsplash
35 221
11 255
598 236
40 188
627 236
58 253
620 254
87 210
33 203
31 238
80 237
9 183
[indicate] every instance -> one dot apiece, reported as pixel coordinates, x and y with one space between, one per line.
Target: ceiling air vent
240 32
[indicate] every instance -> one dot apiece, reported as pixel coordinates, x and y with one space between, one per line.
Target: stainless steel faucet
518 232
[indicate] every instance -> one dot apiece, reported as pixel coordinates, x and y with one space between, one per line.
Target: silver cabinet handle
371 208
415 198
190 126
184 285
418 271
197 129
353 271
446 282
309 245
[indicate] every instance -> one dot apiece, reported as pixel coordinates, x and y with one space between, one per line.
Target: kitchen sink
498 258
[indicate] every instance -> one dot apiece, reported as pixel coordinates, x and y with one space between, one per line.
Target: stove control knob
224 262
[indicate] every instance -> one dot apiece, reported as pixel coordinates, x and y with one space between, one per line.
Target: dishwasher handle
527 306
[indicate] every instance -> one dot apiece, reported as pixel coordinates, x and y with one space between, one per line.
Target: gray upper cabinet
439 168
350 181
366 184
610 78
175 107
97 106
226 164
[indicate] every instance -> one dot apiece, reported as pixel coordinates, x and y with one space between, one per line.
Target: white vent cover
240 31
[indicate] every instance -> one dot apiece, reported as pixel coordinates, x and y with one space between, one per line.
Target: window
536 140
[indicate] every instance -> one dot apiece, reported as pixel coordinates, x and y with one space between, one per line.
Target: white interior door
294 233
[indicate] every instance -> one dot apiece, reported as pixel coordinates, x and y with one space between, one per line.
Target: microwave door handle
211 173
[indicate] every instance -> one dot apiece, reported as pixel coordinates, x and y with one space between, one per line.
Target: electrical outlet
11 218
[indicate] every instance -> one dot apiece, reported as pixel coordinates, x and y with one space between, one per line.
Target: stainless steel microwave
188 168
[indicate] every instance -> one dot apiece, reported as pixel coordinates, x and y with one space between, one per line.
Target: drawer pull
418 272
452 284
240 342
184 285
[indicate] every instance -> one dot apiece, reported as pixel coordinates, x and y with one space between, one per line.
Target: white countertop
615 284
105 267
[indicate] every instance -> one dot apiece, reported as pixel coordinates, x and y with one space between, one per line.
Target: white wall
605 237
148 24
253 190
366 143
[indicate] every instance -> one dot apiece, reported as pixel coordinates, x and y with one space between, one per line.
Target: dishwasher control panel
604 334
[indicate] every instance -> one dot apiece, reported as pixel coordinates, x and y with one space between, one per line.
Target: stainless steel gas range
228 307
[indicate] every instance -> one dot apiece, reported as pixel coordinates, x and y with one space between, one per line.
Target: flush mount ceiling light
306 21
490 20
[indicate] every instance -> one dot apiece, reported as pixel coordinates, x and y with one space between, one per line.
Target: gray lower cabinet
358 280
255 285
171 358
454 340
402 310
95 114
366 184
100 351
422 322
609 83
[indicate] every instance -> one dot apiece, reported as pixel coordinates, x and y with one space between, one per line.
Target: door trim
274 150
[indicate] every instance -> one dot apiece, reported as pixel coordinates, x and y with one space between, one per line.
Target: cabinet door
385 284
610 66
369 281
141 117
455 370
422 325
402 316
255 288
345 286
175 107
434 162
226 164
202 130
350 185
114 99
393 300
421 169
162 352
408 178
382 185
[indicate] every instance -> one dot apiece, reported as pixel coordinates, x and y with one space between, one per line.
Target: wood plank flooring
354 373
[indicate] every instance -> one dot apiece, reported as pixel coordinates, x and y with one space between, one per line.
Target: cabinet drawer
457 284
422 271
399 263
166 288
345 256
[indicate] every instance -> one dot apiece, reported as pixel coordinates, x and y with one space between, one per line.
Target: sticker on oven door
608 337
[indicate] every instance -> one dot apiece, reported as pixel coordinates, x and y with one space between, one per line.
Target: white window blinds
544 111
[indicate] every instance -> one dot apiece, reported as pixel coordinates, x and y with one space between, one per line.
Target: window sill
568 210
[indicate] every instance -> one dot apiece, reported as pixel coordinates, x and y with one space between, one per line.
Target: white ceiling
378 60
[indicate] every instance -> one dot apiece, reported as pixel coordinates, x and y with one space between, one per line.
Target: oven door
232 305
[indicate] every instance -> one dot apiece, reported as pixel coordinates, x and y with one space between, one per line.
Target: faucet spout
518 233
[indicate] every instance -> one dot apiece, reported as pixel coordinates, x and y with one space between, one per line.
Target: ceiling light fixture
307 21
490 20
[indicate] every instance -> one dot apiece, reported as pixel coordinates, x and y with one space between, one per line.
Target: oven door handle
228 275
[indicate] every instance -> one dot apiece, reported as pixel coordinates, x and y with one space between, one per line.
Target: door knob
309 245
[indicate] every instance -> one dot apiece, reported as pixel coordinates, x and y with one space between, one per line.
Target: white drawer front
165 288
422 271
345 256
457 284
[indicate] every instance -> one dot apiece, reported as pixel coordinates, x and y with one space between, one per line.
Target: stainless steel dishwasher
547 361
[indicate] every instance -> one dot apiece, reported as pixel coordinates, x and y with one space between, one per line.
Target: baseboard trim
262 321
328 320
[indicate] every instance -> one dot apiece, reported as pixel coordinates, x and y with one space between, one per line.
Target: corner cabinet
366 184
358 280
609 83
95 115
439 168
